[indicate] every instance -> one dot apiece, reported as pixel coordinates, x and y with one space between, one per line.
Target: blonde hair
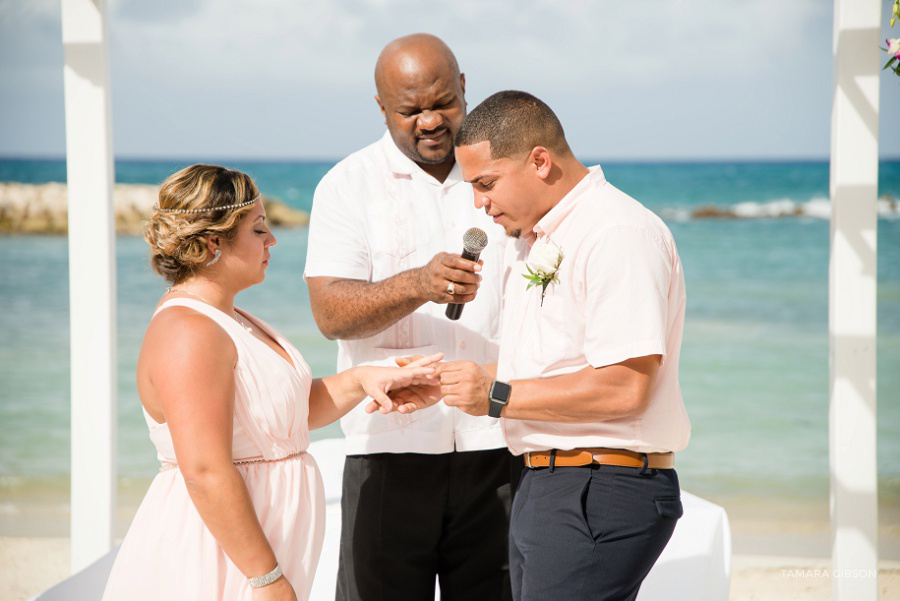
194 205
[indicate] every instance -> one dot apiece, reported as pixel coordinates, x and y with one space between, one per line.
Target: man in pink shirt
587 378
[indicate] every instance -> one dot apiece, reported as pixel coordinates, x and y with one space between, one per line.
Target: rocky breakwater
44 209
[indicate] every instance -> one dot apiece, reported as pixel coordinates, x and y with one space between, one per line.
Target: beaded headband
207 209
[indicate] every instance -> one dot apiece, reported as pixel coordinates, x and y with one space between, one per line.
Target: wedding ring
451 288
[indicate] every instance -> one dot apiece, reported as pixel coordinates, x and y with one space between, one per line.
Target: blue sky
292 79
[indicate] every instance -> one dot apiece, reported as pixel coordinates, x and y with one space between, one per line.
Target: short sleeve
338 245
628 273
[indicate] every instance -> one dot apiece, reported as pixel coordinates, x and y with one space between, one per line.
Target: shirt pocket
557 339
397 235
391 227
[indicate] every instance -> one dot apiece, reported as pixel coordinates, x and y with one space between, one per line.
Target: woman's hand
280 590
415 397
377 382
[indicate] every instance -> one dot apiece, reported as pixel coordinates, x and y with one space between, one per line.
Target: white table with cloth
695 566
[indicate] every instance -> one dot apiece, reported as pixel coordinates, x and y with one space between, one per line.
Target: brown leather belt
619 457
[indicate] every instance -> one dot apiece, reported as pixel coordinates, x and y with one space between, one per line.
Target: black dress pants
407 518
591 532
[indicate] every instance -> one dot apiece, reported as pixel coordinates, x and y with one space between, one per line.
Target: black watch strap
499 397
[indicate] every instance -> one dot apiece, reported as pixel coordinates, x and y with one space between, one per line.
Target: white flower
542 265
545 259
894 47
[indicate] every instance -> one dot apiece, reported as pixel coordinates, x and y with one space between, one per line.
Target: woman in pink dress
237 510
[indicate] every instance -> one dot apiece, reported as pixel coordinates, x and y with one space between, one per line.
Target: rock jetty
43 208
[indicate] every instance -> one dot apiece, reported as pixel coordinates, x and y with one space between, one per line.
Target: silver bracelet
269 578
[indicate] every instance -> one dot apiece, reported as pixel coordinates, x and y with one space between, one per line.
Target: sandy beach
780 546
31 565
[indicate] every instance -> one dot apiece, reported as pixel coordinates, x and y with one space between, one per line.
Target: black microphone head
474 240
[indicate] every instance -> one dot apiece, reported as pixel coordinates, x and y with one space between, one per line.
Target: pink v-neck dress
168 553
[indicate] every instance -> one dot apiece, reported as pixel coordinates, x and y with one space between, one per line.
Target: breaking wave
816 208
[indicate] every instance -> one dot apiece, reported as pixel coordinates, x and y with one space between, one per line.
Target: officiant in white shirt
424 495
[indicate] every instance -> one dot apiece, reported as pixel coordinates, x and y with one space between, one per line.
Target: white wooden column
92 278
852 300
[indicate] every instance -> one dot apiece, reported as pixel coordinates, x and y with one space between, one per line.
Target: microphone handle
454 310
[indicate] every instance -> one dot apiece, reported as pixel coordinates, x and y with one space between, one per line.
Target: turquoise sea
754 367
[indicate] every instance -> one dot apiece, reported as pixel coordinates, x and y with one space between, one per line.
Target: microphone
474 241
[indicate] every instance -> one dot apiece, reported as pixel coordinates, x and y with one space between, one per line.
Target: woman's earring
216 258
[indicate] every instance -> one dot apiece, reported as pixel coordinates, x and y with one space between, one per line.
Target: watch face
500 391
499 398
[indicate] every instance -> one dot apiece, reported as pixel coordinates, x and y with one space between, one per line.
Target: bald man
425 495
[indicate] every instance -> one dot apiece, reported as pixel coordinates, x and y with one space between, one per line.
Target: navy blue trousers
589 533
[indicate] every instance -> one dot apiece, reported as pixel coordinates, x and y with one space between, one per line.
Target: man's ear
381 107
541 161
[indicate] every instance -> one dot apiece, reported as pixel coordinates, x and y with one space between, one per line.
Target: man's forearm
588 395
353 309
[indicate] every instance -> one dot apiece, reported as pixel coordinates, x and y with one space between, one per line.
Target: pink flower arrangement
894 50
893 45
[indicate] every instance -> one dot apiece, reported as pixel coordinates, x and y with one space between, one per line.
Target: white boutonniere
542 266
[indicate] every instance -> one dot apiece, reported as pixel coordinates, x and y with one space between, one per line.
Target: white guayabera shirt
375 214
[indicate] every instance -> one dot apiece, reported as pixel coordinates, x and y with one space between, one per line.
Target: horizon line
323 160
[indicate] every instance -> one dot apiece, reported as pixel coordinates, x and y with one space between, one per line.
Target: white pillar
92 278
852 300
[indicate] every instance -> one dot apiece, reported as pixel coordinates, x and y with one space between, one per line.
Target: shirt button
462 345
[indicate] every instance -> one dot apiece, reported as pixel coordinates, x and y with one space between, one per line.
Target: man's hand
465 385
436 276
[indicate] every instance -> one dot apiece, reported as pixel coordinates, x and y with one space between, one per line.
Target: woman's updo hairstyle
195 204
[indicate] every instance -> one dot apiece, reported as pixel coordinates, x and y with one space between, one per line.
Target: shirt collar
401 165
549 222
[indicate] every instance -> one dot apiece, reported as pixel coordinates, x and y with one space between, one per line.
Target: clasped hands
461 384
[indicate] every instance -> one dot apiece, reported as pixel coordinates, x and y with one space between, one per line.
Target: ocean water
754 369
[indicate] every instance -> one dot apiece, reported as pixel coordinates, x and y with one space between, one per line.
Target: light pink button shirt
620 295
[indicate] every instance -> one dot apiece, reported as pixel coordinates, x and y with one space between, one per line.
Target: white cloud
701 77
30 9
336 41
269 40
